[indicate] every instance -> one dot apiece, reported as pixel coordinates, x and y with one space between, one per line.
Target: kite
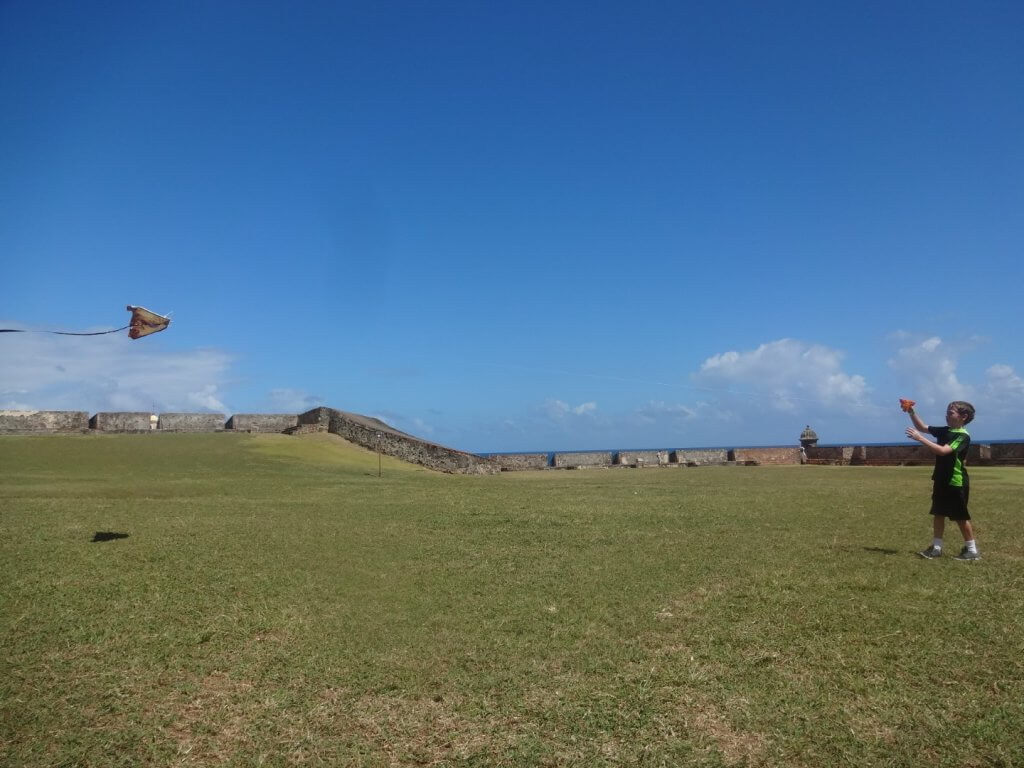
906 405
143 323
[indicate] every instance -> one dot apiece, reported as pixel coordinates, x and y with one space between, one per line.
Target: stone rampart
836 454
641 458
582 459
263 422
316 417
191 422
828 454
377 436
122 421
512 462
979 454
43 422
1005 453
305 429
701 457
908 455
776 455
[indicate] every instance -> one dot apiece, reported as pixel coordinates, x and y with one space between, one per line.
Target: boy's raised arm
907 406
917 420
914 433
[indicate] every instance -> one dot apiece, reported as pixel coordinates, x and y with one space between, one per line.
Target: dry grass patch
212 726
713 727
415 731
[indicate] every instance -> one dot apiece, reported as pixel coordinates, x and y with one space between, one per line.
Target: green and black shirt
950 469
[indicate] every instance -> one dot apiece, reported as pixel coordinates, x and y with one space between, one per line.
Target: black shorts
951 501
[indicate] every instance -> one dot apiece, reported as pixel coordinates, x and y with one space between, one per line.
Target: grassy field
270 601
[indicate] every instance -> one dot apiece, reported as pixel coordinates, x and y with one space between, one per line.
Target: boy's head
963 409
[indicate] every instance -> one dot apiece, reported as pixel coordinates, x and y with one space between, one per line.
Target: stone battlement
375 435
369 433
43 422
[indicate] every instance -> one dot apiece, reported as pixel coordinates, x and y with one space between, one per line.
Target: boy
951 489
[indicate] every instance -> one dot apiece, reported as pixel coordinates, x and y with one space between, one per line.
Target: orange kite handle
906 405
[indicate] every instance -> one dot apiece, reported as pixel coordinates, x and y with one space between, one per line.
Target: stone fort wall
190 422
263 422
43 422
371 434
375 435
121 421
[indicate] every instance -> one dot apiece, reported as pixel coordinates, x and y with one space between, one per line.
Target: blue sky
519 226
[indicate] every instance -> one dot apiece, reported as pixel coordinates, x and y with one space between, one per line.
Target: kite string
64 333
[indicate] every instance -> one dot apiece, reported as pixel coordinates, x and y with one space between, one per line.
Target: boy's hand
913 434
906 405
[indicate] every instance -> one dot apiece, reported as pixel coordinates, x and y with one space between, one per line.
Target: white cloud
784 372
206 399
1004 389
1002 378
928 370
556 409
288 400
655 412
15 405
559 411
109 373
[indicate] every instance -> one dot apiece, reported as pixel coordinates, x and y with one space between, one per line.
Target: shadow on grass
108 536
882 550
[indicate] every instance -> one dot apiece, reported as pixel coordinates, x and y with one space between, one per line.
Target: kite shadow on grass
108 536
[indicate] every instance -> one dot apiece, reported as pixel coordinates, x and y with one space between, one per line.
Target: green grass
276 603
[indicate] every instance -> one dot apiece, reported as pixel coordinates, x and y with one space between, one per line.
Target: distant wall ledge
191 422
513 462
583 460
43 422
120 421
375 435
979 454
263 422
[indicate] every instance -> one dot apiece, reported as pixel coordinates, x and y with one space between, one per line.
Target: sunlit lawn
272 601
